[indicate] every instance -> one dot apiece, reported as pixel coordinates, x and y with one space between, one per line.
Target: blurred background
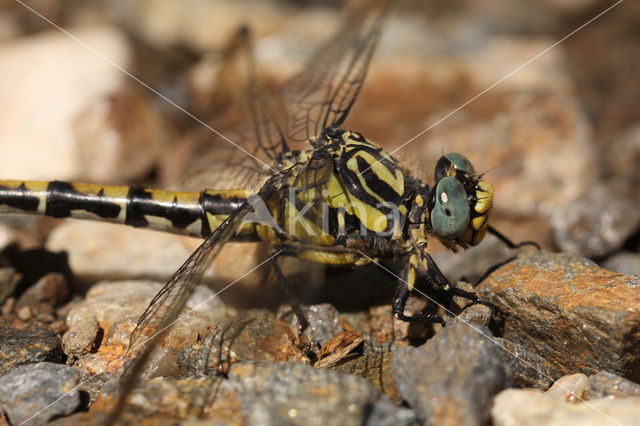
560 138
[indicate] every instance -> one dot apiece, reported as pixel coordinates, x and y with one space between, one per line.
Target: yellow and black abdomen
190 213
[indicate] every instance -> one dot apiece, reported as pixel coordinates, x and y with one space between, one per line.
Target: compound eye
450 215
458 161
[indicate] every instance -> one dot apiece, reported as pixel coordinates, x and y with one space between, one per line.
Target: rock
81 338
254 339
34 394
115 252
452 378
27 346
118 305
119 137
566 309
622 156
526 407
624 263
376 368
529 369
295 393
598 222
9 280
608 385
52 289
571 388
163 400
324 322
52 77
8 236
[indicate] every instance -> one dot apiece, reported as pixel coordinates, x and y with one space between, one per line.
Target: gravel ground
560 140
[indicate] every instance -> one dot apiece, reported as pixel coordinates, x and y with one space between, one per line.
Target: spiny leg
403 291
439 281
296 306
499 235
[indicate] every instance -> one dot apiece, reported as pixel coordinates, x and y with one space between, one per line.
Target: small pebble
571 388
81 337
24 313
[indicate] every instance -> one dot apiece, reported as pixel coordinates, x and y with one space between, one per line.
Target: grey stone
624 263
604 384
324 322
34 394
598 222
293 393
452 378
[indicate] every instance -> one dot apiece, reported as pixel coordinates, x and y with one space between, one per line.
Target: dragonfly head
460 202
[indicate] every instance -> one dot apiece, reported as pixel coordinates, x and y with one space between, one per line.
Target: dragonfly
324 194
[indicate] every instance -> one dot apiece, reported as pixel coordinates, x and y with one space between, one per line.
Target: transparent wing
323 93
165 307
250 139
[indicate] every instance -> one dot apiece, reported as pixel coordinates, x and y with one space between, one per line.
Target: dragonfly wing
166 306
250 138
323 93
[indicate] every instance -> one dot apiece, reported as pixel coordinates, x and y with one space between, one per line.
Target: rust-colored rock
255 339
578 316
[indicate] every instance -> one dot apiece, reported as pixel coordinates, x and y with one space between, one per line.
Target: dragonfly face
460 202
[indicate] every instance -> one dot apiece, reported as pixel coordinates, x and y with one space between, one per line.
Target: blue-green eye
459 162
450 215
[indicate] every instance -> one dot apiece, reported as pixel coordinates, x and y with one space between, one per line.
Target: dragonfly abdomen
191 213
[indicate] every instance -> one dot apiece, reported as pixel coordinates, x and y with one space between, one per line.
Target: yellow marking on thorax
334 258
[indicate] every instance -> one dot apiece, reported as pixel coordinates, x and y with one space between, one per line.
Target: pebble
52 289
116 252
571 388
80 339
604 384
376 368
566 309
324 322
452 378
529 407
624 263
254 339
167 400
51 76
119 137
293 393
116 306
34 394
598 222
27 346
9 280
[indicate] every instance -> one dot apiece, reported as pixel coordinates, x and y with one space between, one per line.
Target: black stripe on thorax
63 198
141 204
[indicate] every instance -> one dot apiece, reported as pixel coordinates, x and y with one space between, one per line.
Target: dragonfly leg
499 235
296 306
403 291
437 279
